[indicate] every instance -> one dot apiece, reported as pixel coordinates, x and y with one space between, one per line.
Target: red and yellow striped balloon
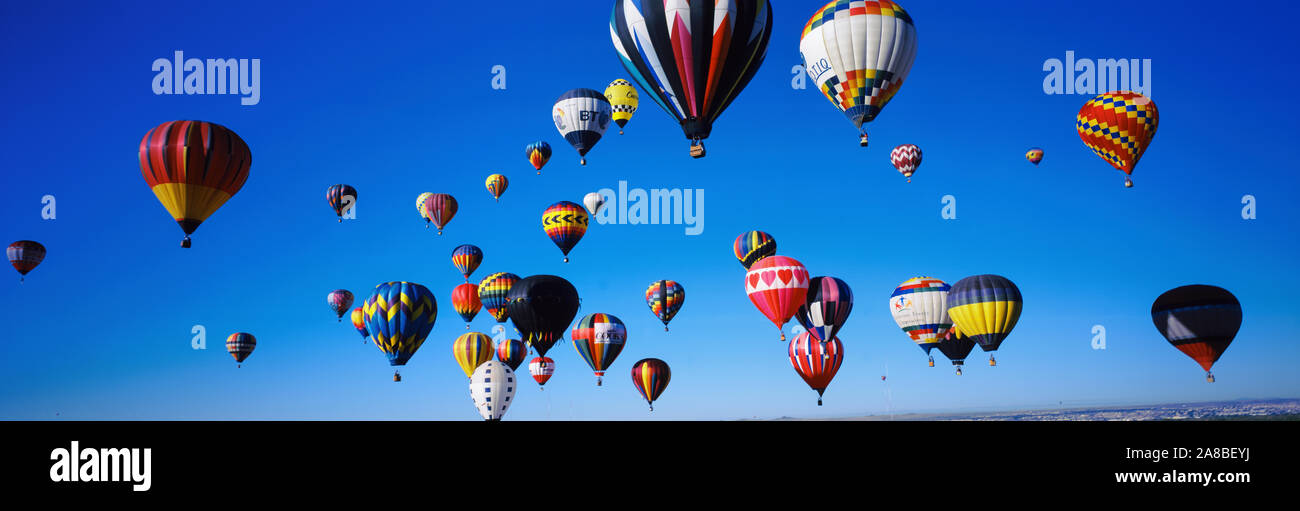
193 167
565 222
651 375
471 350
496 185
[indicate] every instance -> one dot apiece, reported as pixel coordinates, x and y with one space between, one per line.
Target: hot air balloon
492 386
439 208
341 198
1118 126
858 53
582 115
623 101
493 291
471 350
541 368
359 322
594 201
920 307
193 167
465 300
1199 320
496 185
340 300
777 285
598 339
986 308
665 298
906 158
399 316
565 222
538 153
752 246
816 362
692 58
651 375
956 346
25 255
419 206
826 307
542 307
512 352
466 258
240 345
1034 155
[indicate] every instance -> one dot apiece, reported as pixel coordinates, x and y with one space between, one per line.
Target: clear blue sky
396 100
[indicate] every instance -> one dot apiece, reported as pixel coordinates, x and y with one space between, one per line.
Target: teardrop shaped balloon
25 256
594 201
339 300
692 58
665 298
859 53
538 153
512 352
471 350
1118 126
439 208
956 346
651 376
816 362
193 167
543 307
466 258
1034 155
582 116
496 185
906 158
493 292
920 307
753 246
777 285
826 307
1200 320
359 322
986 308
419 206
492 387
240 345
623 100
599 338
565 223
541 368
341 199
399 316
466 302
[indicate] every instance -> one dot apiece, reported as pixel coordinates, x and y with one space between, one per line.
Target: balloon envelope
778 286
1118 127
651 376
492 387
193 167
826 308
471 350
752 246
493 292
599 338
25 255
816 362
542 307
986 308
399 316
1200 320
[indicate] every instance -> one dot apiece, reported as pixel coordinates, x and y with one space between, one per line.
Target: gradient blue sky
395 99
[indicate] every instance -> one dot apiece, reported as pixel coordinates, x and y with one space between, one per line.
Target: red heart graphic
800 275
753 280
769 276
785 275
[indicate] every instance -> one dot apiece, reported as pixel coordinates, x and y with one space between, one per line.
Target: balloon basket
862 140
697 150
185 243
583 162
397 376
1128 183
1209 378
992 363
566 259
931 361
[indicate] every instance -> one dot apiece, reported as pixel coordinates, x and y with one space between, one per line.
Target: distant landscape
1245 409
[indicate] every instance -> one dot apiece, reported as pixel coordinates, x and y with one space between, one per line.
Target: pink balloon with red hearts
777 285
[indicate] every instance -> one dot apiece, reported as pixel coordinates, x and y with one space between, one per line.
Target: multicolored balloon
359 322
598 339
1034 155
25 256
693 58
986 308
582 116
623 100
858 53
340 300
492 386
240 345
399 316
651 375
439 208
565 223
956 346
493 291
1199 320
466 302
920 307
341 199
826 307
1118 126
816 362
541 368
594 201
193 167
665 298
512 352
419 206
752 246
542 307
466 258
777 285
496 185
471 350
538 153
906 158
